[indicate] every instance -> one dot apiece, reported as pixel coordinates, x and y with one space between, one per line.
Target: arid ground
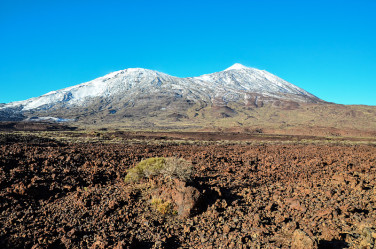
66 189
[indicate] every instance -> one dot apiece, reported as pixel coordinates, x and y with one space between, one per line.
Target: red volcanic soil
34 126
60 195
254 136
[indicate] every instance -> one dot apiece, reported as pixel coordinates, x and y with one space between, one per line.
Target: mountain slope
238 98
241 79
142 92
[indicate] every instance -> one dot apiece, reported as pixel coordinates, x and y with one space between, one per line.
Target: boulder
301 240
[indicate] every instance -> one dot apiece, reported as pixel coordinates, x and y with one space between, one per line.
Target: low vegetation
163 207
168 167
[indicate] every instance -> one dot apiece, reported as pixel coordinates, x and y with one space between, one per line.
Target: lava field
273 195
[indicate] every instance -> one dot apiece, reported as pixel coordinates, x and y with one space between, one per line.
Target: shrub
177 168
168 167
163 207
145 168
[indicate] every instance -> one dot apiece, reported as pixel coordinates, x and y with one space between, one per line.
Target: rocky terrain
33 126
284 193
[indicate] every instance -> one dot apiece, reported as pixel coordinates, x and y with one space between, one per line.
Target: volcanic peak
236 66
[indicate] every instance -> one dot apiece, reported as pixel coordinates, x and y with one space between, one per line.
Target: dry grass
177 168
163 207
305 119
169 167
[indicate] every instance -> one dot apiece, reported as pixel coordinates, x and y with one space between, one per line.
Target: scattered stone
73 195
301 240
186 198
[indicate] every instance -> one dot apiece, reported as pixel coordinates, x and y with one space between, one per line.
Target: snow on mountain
236 66
110 84
128 84
245 79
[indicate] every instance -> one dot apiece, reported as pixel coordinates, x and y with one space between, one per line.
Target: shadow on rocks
172 243
333 244
141 244
213 193
208 195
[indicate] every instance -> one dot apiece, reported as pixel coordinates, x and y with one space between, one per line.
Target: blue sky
325 47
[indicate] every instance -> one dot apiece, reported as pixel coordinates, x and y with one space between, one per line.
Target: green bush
169 167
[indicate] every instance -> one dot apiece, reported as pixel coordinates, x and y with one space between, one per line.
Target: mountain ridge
236 79
237 99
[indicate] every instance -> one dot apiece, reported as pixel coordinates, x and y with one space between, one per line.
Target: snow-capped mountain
145 91
241 78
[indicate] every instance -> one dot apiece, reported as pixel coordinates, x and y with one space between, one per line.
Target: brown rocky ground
34 126
277 195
